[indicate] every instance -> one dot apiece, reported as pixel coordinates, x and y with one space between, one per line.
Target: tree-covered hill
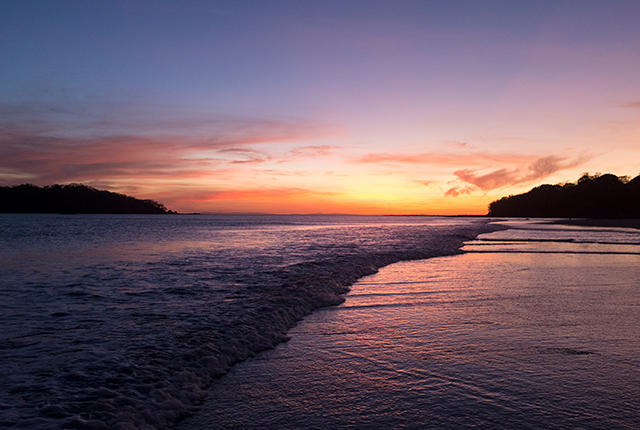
592 196
73 199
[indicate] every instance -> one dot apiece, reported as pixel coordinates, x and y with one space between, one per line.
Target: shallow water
121 322
535 327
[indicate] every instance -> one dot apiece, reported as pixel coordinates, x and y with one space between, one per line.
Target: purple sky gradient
434 107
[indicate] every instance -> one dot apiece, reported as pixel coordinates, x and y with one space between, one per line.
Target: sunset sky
372 107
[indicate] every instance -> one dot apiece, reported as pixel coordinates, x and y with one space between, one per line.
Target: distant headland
592 196
73 199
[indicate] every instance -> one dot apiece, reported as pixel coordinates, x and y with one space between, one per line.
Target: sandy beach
534 327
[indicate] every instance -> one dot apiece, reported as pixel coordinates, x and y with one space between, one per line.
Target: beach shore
529 328
589 222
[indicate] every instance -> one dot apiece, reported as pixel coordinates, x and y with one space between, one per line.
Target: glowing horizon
405 107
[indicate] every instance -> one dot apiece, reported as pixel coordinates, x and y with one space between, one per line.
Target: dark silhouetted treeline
73 199
593 196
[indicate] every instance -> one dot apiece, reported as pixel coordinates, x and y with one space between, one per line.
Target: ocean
536 326
124 321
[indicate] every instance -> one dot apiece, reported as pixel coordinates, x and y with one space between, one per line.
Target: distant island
73 199
592 196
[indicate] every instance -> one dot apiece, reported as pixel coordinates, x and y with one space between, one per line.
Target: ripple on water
485 339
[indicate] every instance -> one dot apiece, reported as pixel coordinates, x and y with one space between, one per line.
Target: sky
360 106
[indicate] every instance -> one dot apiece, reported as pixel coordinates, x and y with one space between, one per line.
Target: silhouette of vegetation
73 199
592 196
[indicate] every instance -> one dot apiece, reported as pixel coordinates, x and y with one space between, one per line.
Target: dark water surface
535 327
121 322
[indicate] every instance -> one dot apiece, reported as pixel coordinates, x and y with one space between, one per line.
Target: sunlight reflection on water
486 339
118 321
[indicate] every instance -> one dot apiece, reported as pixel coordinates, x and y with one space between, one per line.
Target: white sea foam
121 322
497 338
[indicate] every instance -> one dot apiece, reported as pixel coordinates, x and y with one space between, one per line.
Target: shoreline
398 333
591 222
149 366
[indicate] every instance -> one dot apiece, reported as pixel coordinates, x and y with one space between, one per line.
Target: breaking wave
122 322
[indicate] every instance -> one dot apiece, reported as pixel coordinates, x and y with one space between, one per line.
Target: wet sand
625 223
500 338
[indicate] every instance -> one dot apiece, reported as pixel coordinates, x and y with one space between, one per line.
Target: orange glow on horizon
348 107
299 201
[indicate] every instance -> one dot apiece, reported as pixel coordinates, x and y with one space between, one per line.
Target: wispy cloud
458 190
63 159
489 181
261 194
109 119
313 151
242 155
458 144
501 178
34 146
631 104
516 168
445 158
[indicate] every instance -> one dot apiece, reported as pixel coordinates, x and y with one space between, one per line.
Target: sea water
122 322
536 326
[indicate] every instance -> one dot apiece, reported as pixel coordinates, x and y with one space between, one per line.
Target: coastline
123 322
591 222
480 339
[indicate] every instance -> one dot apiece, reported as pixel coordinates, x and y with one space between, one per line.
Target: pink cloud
245 155
635 105
45 154
313 151
260 194
457 144
537 167
496 179
306 152
64 159
445 158
98 118
456 191
500 178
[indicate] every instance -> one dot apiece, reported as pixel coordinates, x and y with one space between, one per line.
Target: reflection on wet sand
486 339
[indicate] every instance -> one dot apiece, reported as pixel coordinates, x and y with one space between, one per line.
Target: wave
143 358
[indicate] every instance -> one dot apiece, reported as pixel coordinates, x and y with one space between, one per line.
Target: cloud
62 159
261 194
500 178
457 190
313 151
457 144
14 176
469 179
176 160
49 152
441 159
100 118
245 155
634 105
496 179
